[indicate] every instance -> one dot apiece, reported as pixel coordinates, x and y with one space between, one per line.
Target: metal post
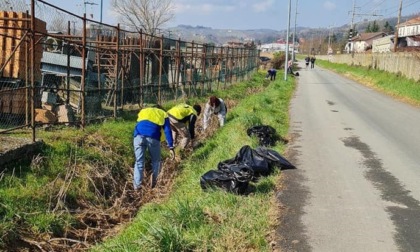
68 66
33 44
83 83
142 67
294 34
287 41
102 4
352 28
117 70
160 70
397 28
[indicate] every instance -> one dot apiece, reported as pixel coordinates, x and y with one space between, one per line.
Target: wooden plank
16 66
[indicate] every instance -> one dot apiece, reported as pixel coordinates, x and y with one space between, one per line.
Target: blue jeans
141 143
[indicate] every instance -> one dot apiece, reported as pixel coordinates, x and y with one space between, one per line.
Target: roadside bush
278 60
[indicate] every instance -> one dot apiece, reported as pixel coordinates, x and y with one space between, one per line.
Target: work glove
172 153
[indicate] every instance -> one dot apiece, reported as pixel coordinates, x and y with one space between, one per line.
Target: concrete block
49 98
65 114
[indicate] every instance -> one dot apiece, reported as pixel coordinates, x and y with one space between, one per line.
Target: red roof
368 35
413 21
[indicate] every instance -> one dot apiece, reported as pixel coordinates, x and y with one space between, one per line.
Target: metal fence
60 68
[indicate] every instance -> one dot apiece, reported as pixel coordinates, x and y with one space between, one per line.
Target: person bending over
215 106
147 136
182 118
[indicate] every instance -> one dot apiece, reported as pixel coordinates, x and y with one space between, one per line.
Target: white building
276 47
362 42
383 45
409 33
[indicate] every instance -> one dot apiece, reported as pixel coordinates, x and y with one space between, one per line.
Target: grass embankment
397 86
191 219
77 189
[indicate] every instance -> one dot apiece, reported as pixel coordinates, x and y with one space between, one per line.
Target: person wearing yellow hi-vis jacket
182 118
147 136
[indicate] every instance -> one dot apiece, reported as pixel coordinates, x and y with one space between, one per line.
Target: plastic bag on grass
234 179
261 160
266 134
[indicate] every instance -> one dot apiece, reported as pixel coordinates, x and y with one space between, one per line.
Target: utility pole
102 8
352 27
287 42
311 47
87 2
294 34
352 31
396 30
329 41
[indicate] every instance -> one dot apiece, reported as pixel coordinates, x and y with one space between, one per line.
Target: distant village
376 42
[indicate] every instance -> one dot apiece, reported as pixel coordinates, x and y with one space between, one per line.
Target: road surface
357 182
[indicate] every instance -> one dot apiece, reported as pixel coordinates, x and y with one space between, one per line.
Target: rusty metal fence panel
82 70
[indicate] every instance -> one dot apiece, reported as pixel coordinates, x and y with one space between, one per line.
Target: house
272 47
383 45
279 45
409 33
363 41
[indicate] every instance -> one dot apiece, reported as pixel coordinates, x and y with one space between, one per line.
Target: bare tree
58 24
13 5
148 15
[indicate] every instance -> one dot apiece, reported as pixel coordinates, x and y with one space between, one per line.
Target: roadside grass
394 85
195 220
39 197
90 169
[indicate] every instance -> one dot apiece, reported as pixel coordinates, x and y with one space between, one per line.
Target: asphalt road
357 182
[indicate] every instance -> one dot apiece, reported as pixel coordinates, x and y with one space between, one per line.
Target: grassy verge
76 169
394 85
77 189
191 219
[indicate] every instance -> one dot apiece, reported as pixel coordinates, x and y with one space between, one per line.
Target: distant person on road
215 106
313 61
307 60
147 136
182 118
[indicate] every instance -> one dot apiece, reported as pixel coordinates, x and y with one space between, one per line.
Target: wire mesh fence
61 68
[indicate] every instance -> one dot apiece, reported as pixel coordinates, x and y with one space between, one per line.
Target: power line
395 8
353 23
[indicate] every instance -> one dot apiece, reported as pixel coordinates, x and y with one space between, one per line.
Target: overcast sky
256 14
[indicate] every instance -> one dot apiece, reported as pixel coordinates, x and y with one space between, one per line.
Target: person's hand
172 153
196 145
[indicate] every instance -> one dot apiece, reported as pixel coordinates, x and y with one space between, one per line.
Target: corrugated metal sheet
61 60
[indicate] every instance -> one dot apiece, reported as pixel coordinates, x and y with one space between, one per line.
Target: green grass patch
78 169
194 220
394 85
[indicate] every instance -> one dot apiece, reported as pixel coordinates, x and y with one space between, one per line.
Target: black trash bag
261 160
249 157
266 134
274 158
234 179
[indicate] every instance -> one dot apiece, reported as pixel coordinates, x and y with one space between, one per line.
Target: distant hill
201 34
